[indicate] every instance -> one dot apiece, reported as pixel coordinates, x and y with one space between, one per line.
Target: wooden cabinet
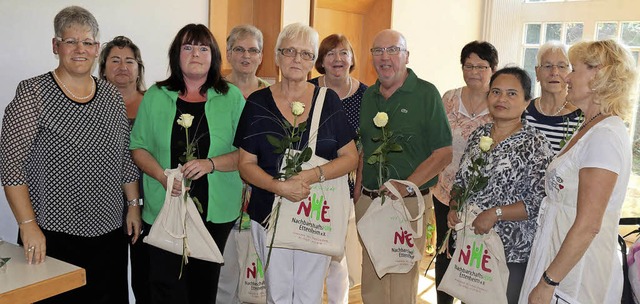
263 14
359 21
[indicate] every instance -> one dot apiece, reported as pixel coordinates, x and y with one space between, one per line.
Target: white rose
297 108
185 120
381 119
485 143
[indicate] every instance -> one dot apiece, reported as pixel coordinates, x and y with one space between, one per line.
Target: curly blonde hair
615 80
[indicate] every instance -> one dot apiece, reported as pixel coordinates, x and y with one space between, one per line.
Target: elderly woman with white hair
293 276
551 113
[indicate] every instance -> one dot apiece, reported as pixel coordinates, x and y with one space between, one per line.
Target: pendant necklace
585 124
554 114
93 87
324 84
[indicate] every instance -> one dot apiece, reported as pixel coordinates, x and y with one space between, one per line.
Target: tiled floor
426 286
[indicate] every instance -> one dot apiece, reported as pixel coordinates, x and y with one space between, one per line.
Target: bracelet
26 221
322 179
134 202
213 166
548 280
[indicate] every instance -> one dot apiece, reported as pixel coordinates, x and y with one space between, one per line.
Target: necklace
585 124
324 84
93 87
554 114
495 138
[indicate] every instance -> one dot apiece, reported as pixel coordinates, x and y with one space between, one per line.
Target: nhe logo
403 236
255 269
475 257
315 205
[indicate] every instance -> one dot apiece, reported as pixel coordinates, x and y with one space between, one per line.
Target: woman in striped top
551 113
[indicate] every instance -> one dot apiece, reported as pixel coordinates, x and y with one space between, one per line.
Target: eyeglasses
252 51
292 52
391 50
481 68
341 53
190 48
561 67
73 42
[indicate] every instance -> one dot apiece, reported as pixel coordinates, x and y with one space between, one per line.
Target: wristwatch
499 213
410 191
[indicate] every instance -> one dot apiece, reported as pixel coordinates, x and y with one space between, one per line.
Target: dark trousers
516 277
104 259
442 262
139 255
199 281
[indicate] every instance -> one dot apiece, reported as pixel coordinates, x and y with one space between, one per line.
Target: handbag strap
421 207
315 120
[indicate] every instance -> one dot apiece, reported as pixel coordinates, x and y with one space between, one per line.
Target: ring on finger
31 248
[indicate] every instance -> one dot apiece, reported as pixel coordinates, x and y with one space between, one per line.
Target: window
536 34
629 34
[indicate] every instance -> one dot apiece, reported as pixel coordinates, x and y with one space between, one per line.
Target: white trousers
293 276
230 270
338 281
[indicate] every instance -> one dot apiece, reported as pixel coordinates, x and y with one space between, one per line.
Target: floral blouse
462 124
516 168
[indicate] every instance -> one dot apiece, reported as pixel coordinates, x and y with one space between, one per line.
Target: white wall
27 29
436 31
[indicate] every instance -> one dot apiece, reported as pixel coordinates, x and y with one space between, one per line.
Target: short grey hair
552 46
297 31
242 32
75 15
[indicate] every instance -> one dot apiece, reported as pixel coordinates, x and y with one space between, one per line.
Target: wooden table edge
45 289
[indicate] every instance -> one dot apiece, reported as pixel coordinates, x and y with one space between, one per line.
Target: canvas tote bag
179 224
317 224
385 230
478 270
251 286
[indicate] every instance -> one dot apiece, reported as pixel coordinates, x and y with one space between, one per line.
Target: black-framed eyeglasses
391 50
240 51
549 67
292 52
469 67
73 42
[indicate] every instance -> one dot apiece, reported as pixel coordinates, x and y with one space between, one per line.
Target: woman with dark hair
466 109
514 164
120 63
196 87
65 163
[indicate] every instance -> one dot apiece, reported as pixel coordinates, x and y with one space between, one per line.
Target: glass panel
631 33
533 34
574 33
553 32
606 31
529 63
635 55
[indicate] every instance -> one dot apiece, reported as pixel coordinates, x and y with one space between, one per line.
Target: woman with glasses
120 63
66 162
196 87
335 62
466 109
293 276
244 53
575 252
552 113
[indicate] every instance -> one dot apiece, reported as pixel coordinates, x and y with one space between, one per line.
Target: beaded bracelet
213 166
